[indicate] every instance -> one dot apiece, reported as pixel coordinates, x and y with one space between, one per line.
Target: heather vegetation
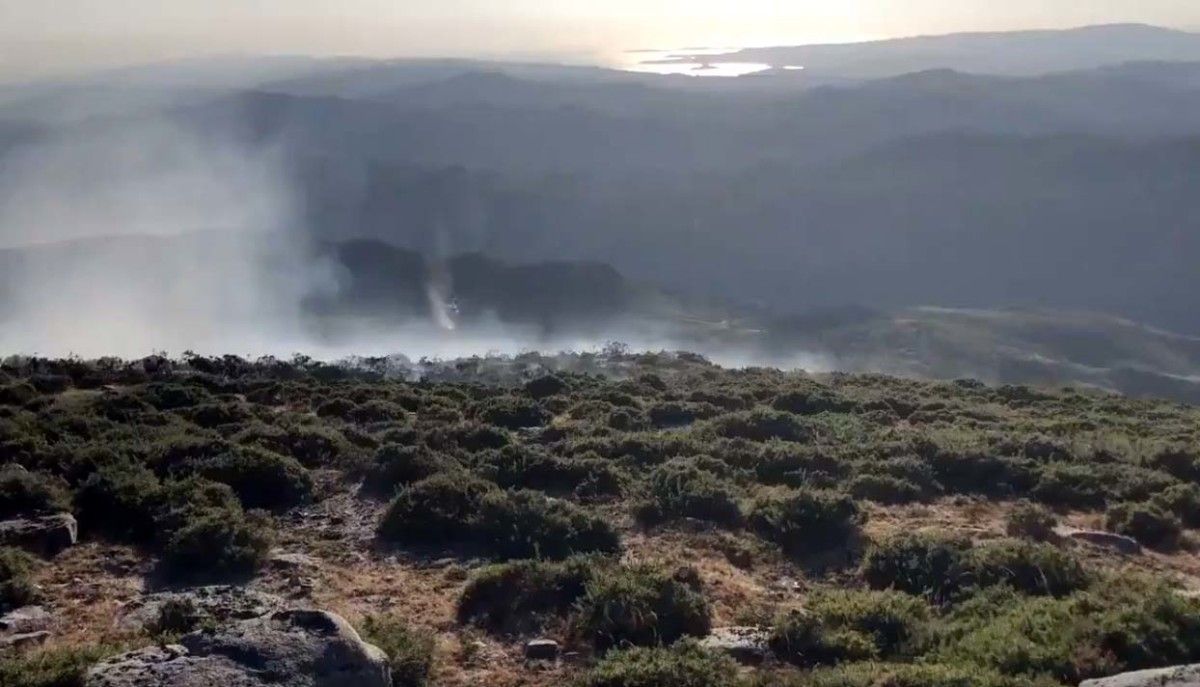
541 475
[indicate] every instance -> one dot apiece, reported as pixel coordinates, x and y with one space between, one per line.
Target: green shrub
312 446
119 501
641 606
213 415
681 488
1031 521
1076 486
517 597
1037 569
545 386
892 621
1146 522
204 534
527 524
797 466
676 414
917 564
29 493
215 545
842 626
260 478
805 641
682 665
59 666
441 509
528 467
1182 500
805 521
395 466
981 473
1180 461
410 651
944 569
761 425
811 402
16 585
513 412
875 674
885 489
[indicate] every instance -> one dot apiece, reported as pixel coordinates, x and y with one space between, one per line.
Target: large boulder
45 536
298 648
1177 676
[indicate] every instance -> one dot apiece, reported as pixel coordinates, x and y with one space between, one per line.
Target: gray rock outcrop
1177 676
298 648
45 536
748 645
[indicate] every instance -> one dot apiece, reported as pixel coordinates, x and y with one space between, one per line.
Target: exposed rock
1177 676
218 604
1109 540
45 536
25 619
24 640
292 561
541 650
298 648
748 645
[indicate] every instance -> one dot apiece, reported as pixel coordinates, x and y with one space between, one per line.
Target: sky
51 37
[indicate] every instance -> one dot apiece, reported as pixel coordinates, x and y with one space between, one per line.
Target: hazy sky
47 36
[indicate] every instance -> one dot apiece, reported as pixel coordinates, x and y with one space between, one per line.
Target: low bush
30 493
60 666
874 674
441 509
1071 485
1148 523
797 466
973 472
761 425
885 489
409 651
204 534
642 606
1182 500
16 586
528 524
681 488
528 467
513 412
215 545
546 386
119 501
845 626
892 621
260 478
1036 569
945 569
682 665
1031 521
519 596
806 521
396 466
917 564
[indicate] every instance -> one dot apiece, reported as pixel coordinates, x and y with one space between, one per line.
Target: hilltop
857 529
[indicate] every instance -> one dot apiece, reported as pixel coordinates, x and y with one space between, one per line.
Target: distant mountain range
1011 174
